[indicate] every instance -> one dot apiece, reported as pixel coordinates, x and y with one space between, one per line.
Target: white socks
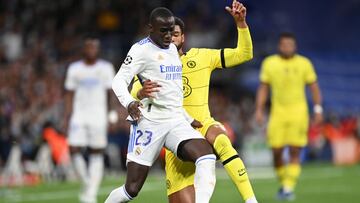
90 177
205 179
96 170
118 195
251 200
80 166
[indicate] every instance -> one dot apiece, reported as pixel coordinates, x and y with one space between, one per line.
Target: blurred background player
87 87
160 122
287 74
198 65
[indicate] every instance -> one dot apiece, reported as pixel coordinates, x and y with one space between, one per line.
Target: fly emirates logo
172 72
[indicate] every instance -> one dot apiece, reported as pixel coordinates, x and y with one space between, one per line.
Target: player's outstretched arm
244 50
261 97
317 100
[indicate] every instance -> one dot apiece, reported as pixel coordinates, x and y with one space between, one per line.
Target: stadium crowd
39 40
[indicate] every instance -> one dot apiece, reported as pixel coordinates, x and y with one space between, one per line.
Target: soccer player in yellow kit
198 64
287 74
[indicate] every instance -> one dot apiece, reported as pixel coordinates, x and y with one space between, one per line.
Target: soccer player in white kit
160 121
88 85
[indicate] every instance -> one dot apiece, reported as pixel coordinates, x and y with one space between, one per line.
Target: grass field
319 183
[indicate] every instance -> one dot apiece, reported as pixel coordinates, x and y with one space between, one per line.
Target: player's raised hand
133 110
238 12
259 117
318 118
149 87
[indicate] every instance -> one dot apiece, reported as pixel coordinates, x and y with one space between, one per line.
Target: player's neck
181 52
287 57
90 61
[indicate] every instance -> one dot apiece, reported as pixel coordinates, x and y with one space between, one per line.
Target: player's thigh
186 142
186 195
179 174
97 136
276 132
298 132
146 141
77 135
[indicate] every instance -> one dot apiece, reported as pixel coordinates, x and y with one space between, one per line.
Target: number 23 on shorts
143 137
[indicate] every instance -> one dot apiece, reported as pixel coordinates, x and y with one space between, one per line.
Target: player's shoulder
271 58
76 65
143 42
193 52
302 58
138 47
104 62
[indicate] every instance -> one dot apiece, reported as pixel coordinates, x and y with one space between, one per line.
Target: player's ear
182 38
151 28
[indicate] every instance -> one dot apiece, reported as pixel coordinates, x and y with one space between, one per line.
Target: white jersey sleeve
132 65
70 80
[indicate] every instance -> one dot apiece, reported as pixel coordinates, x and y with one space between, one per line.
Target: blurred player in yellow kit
198 65
287 75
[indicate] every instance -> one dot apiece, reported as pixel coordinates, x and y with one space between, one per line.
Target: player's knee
132 189
96 151
74 150
213 132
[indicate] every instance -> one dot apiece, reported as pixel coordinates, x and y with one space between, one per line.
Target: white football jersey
90 84
148 61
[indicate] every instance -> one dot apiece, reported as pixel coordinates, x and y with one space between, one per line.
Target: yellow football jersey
198 64
287 79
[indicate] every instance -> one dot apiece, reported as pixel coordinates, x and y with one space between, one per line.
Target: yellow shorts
283 131
180 174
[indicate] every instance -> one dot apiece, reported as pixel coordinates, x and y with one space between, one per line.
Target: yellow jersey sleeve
265 76
230 57
135 88
310 75
243 51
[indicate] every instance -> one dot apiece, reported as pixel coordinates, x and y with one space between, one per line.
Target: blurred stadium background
39 38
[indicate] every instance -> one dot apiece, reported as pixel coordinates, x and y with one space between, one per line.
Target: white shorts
148 137
86 135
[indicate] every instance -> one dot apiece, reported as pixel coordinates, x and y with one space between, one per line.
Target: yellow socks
233 165
292 174
281 172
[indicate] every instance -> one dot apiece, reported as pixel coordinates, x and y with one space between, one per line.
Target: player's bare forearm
261 98
69 96
317 100
316 93
111 100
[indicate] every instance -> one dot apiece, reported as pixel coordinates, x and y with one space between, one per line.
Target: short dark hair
159 12
287 35
180 23
90 36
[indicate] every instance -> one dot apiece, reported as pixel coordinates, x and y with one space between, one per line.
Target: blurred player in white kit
87 86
